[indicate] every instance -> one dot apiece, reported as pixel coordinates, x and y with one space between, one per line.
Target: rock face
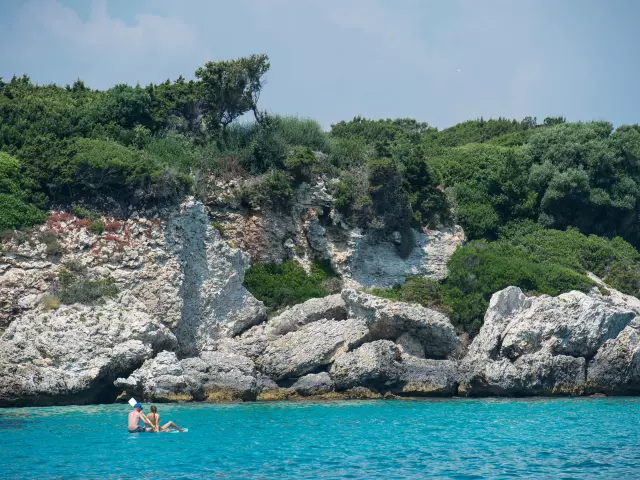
72 355
310 229
552 345
377 264
181 326
373 365
314 384
180 288
426 377
318 348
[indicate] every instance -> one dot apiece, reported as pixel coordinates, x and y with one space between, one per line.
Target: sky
439 61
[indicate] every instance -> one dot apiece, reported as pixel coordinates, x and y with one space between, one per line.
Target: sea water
454 438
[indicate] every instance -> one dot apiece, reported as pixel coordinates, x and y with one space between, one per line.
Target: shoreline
338 398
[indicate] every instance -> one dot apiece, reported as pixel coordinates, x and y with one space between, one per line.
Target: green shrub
301 163
302 132
52 242
286 284
97 227
351 197
349 153
84 213
76 286
219 226
274 189
50 302
427 293
478 270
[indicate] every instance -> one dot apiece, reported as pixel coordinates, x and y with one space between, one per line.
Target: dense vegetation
531 196
288 284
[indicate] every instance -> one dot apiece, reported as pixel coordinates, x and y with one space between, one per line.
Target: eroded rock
373 365
73 354
328 308
314 345
541 345
212 376
390 320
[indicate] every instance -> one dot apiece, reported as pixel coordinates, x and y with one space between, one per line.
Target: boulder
314 384
540 373
389 320
212 376
426 377
72 355
374 365
314 345
331 307
540 345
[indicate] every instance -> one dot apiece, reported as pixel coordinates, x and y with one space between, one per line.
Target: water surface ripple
457 439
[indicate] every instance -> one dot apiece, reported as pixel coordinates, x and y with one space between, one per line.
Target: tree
232 88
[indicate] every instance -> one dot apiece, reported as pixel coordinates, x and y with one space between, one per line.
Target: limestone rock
540 373
542 345
313 384
390 320
410 345
72 354
331 307
310 347
375 263
215 303
373 365
212 376
615 369
425 377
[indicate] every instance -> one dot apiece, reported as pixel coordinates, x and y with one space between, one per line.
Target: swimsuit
138 430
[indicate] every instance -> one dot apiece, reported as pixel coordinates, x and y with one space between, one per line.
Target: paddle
132 402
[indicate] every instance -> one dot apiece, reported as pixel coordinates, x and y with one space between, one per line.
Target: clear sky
439 61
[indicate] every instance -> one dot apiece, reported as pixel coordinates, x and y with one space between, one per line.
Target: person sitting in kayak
135 417
154 418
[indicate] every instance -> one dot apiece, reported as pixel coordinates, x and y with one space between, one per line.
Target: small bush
76 286
51 240
50 302
303 132
480 269
219 226
301 163
85 214
286 284
427 293
274 189
97 227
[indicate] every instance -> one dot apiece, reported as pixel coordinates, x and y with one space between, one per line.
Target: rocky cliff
177 324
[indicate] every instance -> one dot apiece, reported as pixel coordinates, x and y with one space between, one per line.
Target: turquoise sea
454 438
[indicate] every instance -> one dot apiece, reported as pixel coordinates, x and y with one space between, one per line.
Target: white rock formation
73 354
391 320
545 345
181 287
